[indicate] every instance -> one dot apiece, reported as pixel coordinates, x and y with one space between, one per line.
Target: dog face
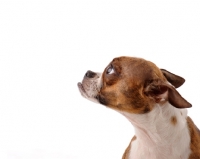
133 85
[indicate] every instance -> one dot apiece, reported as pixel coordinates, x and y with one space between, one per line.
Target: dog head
133 85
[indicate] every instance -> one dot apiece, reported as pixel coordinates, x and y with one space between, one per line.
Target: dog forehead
137 68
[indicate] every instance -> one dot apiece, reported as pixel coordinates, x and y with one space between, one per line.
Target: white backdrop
46 46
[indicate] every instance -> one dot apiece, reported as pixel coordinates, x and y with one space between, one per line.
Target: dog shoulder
195 139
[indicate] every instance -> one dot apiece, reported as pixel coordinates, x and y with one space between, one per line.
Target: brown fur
173 120
126 153
175 80
135 85
195 139
128 94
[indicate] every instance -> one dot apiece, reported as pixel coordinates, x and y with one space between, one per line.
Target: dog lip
80 86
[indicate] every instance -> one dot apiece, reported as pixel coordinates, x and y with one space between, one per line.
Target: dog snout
90 74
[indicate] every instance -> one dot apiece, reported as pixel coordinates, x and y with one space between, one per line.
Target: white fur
157 137
90 87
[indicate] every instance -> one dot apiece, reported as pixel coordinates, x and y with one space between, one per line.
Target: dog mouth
80 86
94 97
89 87
82 90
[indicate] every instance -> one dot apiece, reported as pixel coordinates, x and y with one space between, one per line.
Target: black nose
90 74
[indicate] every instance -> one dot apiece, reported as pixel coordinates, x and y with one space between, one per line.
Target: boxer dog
147 97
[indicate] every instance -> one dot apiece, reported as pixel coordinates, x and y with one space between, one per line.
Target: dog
147 97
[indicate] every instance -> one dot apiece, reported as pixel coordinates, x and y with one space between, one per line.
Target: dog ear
161 91
175 80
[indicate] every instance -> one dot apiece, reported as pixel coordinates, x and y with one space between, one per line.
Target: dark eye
110 70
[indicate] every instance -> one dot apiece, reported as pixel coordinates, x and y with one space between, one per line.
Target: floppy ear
160 91
175 80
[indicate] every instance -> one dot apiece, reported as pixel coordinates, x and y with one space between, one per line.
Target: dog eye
110 70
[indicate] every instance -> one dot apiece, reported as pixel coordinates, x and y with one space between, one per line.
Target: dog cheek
137 104
102 100
107 98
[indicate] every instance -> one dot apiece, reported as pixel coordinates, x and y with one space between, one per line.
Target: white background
47 46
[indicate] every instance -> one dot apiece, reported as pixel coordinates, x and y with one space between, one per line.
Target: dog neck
158 131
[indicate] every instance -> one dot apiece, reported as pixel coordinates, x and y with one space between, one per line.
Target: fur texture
147 97
157 136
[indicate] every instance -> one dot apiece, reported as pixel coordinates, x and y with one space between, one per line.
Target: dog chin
82 90
85 95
